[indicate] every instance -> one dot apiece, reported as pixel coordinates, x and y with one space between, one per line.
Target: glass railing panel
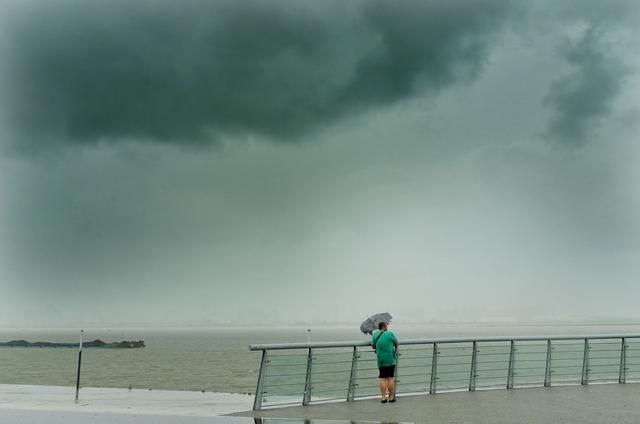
330 373
604 360
414 369
454 366
529 363
367 373
492 364
285 376
566 361
633 360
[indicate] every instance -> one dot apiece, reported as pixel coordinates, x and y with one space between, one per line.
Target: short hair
382 325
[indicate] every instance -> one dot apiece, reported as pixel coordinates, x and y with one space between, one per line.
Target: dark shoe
391 400
383 401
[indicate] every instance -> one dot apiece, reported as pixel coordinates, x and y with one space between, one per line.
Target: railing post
512 358
352 377
307 384
434 369
472 374
79 365
547 368
622 377
585 364
395 374
257 402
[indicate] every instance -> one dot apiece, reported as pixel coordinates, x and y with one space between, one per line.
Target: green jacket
385 348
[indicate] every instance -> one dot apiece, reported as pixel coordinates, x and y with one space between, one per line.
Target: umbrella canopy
371 324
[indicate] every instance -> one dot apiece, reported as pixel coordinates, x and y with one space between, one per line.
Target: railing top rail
324 345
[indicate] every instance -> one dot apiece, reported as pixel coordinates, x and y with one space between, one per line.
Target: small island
97 343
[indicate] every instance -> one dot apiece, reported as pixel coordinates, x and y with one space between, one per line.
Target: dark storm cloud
190 71
582 98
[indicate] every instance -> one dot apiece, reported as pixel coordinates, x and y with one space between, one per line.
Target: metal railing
321 372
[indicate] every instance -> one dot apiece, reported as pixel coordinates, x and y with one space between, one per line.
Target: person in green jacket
384 343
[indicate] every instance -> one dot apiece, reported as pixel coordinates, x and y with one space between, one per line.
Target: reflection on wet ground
9 416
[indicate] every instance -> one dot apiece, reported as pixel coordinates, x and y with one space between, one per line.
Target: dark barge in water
97 343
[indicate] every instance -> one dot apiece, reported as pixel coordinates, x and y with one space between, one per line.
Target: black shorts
387 372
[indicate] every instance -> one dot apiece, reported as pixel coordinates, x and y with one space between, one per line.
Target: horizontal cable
539 344
528 368
324 399
287 365
422 376
267 384
415 366
331 371
412 387
283 394
281 355
408 358
452 372
343 380
359 395
467 345
453 380
327 390
284 375
333 362
327 399
468 355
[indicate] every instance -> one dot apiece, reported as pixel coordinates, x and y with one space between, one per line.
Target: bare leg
383 388
392 386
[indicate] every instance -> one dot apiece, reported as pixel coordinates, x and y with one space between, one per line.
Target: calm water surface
211 359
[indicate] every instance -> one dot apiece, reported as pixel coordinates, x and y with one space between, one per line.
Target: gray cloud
583 98
81 72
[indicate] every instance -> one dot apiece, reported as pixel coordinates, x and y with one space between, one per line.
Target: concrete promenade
610 403
18 402
597 404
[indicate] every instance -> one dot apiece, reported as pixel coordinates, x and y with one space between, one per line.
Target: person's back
384 342
385 347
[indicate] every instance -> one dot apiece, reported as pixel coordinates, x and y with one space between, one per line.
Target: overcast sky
245 161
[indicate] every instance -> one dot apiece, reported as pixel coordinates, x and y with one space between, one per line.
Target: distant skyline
168 162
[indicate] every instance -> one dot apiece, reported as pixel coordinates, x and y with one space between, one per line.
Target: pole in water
308 335
79 363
